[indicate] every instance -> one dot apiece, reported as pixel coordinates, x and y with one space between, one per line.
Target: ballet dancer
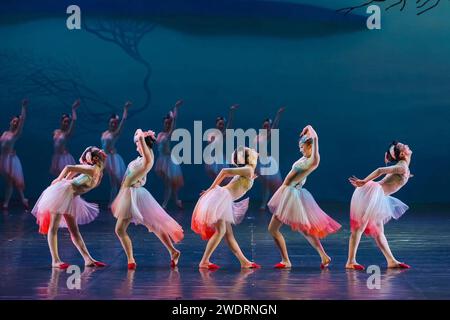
135 204
372 205
62 198
165 167
213 169
115 166
295 206
216 210
61 156
269 183
10 166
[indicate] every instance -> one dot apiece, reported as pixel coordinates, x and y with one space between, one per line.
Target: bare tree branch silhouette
422 6
127 34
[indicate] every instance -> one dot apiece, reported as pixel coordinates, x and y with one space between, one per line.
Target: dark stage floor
421 238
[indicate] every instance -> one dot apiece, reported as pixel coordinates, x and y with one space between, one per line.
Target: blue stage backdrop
361 89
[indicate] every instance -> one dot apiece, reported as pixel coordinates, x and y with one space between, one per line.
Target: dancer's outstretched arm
178 104
230 172
23 116
395 169
276 121
231 116
75 106
124 117
75 169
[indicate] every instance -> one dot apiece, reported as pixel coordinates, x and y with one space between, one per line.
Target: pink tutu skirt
370 207
11 168
139 205
115 167
60 161
59 198
297 208
272 181
169 171
213 206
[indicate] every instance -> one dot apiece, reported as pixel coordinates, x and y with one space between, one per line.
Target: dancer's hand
76 104
127 105
255 176
25 103
205 191
281 110
356 182
179 103
55 181
234 106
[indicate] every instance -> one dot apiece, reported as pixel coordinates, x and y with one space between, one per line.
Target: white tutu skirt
115 167
169 171
371 208
139 205
272 181
59 198
297 208
11 168
60 161
213 206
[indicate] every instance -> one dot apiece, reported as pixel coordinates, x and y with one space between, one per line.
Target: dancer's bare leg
382 243
353 244
8 193
212 244
52 239
121 232
234 246
167 242
315 242
78 241
274 229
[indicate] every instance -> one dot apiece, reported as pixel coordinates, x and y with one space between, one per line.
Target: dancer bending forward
135 204
372 206
295 206
216 210
62 198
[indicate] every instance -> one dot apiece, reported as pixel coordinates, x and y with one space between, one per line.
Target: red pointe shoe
63 266
99 264
213 266
255 266
358 267
402 265
132 266
172 264
280 266
324 266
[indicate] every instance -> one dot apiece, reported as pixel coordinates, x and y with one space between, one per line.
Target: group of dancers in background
217 209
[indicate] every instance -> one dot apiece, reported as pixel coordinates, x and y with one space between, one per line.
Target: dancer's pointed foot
325 263
283 265
355 266
399 265
60 265
209 266
175 257
97 264
252 265
132 266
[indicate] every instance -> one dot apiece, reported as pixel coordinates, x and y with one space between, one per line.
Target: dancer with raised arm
269 182
61 155
295 206
135 204
10 165
216 210
219 162
63 199
165 167
115 166
372 205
